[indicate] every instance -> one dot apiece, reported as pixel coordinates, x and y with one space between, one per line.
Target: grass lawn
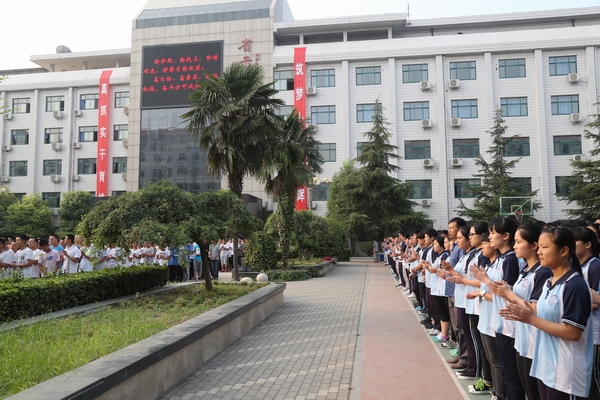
298 262
34 353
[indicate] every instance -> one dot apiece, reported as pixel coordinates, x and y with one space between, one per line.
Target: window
327 150
563 105
21 106
514 106
53 135
416 111
55 103
361 147
182 157
464 108
365 112
561 185
20 136
566 145
52 199
319 193
414 73
121 99
368 76
417 149
86 166
322 78
463 70
284 111
512 68
322 115
517 147
421 189
116 193
19 196
461 187
465 148
522 185
18 168
120 132
284 80
562 65
89 101
88 133
119 165
52 167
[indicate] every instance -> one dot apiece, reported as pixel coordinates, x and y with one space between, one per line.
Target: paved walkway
349 335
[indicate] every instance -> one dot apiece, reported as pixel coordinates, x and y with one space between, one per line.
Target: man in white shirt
136 254
162 255
7 257
55 245
24 256
71 254
35 248
148 253
49 259
113 254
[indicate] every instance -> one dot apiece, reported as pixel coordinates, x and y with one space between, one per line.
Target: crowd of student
517 304
39 257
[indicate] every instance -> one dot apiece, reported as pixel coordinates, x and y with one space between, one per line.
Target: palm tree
292 162
234 116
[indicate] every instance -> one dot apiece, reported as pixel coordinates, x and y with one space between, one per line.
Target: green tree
368 200
163 214
30 216
74 206
584 182
292 161
6 199
495 175
233 115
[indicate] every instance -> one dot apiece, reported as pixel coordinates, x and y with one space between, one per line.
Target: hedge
22 298
287 275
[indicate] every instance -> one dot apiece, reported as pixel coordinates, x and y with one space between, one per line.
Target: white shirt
163 253
70 266
22 255
8 257
50 261
85 263
36 267
136 252
112 252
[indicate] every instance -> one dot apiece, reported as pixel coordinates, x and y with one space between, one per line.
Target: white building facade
438 80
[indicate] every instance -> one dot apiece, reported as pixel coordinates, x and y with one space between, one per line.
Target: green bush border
22 298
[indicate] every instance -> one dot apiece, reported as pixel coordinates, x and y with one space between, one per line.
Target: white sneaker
411 296
433 332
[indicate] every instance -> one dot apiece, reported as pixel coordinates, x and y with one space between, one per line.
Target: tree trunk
236 184
205 264
285 222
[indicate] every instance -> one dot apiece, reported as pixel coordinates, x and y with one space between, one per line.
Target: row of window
422 187
85 166
413 73
53 198
57 103
55 135
419 110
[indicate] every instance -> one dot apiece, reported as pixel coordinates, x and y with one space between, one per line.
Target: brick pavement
306 350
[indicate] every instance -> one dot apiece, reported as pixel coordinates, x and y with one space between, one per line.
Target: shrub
367 248
260 252
22 298
287 275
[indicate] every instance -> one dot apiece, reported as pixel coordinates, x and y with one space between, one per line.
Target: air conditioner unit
573 78
125 142
77 113
454 83
426 123
425 203
425 85
57 114
55 178
311 91
455 122
6 147
312 205
457 162
124 176
578 157
55 212
76 145
56 146
4 179
428 162
126 110
8 116
75 178
575 117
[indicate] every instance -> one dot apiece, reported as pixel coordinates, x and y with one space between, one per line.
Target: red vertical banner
300 106
102 156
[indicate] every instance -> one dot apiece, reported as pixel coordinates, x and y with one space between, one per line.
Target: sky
36 27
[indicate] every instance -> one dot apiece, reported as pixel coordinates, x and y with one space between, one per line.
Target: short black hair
458 221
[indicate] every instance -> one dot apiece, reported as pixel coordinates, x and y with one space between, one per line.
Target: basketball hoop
519 216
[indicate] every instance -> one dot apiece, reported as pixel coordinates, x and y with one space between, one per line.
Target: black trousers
507 354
